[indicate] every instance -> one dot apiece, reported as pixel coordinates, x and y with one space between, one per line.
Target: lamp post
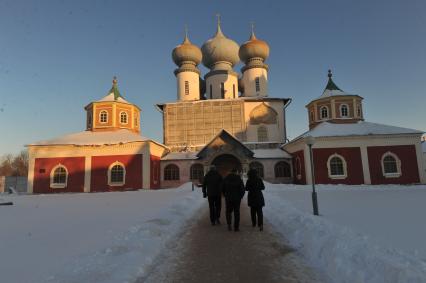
310 142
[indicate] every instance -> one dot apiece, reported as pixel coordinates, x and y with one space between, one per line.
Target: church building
227 119
110 155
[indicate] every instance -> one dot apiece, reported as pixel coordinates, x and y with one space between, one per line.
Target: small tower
112 113
253 53
187 56
335 106
220 54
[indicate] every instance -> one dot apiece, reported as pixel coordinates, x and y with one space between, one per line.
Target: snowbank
102 237
341 253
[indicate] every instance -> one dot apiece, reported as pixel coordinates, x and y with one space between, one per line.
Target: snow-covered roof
95 138
111 97
361 128
180 156
271 153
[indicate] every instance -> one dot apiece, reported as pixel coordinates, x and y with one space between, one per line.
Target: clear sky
57 56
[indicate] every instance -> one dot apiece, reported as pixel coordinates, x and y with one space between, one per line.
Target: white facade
221 85
255 82
188 86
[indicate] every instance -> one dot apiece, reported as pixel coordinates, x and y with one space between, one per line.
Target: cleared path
206 253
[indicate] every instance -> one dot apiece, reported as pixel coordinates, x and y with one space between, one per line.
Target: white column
146 167
419 155
31 165
87 173
365 165
307 165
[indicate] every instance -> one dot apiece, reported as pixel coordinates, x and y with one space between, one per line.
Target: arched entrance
225 163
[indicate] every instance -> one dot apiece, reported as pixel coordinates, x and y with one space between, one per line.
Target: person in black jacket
212 188
233 189
254 186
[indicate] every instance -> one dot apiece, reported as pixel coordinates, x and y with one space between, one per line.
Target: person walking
233 189
212 189
255 200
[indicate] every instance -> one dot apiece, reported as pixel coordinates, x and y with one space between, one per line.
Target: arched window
123 117
262 134
258 167
196 171
89 120
282 170
337 167
103 116
171 172
136 122
359 110
59 177
391 165
344 112
312 116
116 174
324 112
298 166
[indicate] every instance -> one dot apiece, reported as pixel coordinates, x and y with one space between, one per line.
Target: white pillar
420 162
31 165
365 165
308 173
87 173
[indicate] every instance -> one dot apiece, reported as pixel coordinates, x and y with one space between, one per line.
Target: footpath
206 253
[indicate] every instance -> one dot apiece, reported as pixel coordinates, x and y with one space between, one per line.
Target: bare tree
14 165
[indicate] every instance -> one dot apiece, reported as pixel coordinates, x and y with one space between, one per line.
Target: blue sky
57 56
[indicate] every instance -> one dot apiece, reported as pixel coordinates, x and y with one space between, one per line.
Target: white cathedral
226 119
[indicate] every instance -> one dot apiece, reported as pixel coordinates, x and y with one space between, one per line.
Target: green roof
331 85
114 89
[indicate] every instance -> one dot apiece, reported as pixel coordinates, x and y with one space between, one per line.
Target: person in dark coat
212 189
233 189
255 186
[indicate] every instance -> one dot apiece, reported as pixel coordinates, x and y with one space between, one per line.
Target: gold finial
114 80
252 36
218 19
186 31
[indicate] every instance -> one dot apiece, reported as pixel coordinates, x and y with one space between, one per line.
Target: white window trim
341 112
52 173
328 113
109 174
100 114
345 168
398 166
127 117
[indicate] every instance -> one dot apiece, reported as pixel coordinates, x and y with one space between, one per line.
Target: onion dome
254 48
220 49
186 52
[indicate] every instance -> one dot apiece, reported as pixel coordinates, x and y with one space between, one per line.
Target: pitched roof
361 128
187 155
225 135
114 93
95 138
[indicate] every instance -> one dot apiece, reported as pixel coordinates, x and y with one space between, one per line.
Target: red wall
352 157
44 166
155 172
409 166
301 156
100 165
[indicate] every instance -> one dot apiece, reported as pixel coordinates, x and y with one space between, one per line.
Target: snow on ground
364 233
100 237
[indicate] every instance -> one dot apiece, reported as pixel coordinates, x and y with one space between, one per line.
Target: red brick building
349 150
110 155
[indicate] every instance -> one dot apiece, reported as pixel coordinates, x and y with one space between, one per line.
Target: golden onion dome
220 49
254 48
186 52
